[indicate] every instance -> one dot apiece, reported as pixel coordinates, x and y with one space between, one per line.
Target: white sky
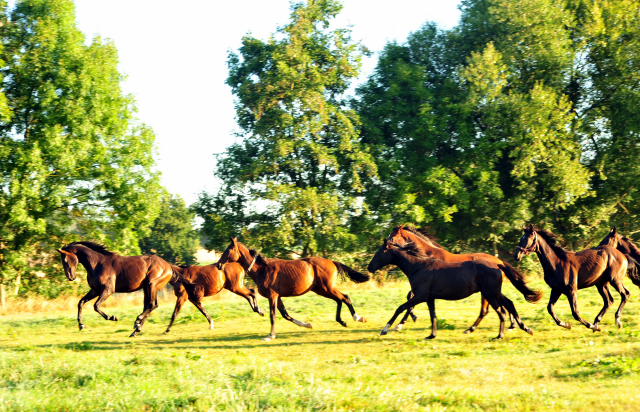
175 53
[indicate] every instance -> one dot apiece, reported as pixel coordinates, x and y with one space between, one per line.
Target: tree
172 236
74 161
293 184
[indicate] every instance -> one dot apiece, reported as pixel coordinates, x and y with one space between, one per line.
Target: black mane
422 233
553 241
96 247
412 249
632 246
260 258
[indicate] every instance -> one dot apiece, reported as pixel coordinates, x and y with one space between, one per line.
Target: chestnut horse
196 282
426 242
278 278
566 272
434 279
108 272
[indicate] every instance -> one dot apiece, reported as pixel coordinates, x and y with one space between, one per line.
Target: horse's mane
422 233
412 249
632 245
96 247
260 257
553 241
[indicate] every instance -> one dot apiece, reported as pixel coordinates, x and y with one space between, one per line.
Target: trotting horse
629 250
108 272
565 272
196 282
432 279
278 278
425 241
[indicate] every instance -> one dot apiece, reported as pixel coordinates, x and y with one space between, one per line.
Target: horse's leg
484 309
249 295
434 321
273 304
104 296
406 315
182 298
408 304
88 297
573 302
495 304
254 297
198 305
150 303
553 298
283 312
624 296
510 307
607 300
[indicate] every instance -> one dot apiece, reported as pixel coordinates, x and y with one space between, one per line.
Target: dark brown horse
425 241
566 272
629 250
196 282
108 273
278 278
432 279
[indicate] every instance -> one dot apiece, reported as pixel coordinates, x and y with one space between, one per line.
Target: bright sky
175 53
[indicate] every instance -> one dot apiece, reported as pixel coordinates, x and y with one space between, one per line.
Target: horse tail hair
353 275
517 280
633 270
176 273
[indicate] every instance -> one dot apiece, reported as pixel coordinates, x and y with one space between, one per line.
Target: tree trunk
18 283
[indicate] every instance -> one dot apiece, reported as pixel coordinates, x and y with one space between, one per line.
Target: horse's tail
517 280
353 275
176 273
633 270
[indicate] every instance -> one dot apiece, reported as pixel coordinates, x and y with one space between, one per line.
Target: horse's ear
614 230
530 227
62 252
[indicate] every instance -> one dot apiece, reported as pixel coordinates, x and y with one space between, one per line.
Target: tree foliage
74 160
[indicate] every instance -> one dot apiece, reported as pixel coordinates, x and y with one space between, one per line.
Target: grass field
47 364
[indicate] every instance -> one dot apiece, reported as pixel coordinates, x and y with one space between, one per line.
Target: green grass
47 364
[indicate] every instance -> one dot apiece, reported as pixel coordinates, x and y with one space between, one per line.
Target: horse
109 273
196 282
401 234
278 278
629 250
566 272
432 279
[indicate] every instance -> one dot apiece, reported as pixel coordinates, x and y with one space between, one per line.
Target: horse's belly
294 285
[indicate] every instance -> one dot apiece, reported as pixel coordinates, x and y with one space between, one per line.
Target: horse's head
69 262
528 243
382 257
614 239
230 254
398 236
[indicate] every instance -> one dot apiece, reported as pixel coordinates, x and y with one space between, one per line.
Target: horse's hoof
499 337
529 331
398 327
343 323
358 318
512 327
166 332
261 313
81 326
470 330
133 335
414 317
113 318
595 328
565 325
308 325
211 326
432 336
383 332
618 323
268 338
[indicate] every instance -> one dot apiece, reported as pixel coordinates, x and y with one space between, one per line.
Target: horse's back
208 276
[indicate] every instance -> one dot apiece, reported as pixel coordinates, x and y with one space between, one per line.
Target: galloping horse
108 272
629 250
401 234
278 278
196 282
565 272
434 279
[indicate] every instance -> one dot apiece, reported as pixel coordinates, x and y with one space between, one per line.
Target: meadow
46 364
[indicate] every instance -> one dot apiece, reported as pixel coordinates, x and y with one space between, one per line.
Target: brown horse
278 278
401 234
565 272
629 250
108 272
196 282
432 279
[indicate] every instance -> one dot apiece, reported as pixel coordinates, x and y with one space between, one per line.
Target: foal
432 279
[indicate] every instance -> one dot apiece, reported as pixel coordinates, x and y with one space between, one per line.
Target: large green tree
293 183
74 162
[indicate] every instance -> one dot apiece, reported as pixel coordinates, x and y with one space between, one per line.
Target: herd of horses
433 273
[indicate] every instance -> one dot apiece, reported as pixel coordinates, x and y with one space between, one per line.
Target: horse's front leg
434 321
607 299
624 296
553 298
92 294
400 325
273 304
106 292
408 304
484 309
573 302
283 312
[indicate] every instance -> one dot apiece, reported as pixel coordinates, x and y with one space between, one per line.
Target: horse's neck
430 250
88 258
409 264
257 269
547 256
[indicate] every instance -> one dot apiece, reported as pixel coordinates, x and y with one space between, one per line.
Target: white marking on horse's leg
211 325
618 323
269 338
384 331
299 323
308 325
358 318
399 327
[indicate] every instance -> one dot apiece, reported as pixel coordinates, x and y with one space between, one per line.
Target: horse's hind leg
150 303
408 313
92 294
434 321
607 300
182 298
249 295
573 302
624 296
511 309
484 309
340 298
104 296
198 305
495 304
283 312
553 298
